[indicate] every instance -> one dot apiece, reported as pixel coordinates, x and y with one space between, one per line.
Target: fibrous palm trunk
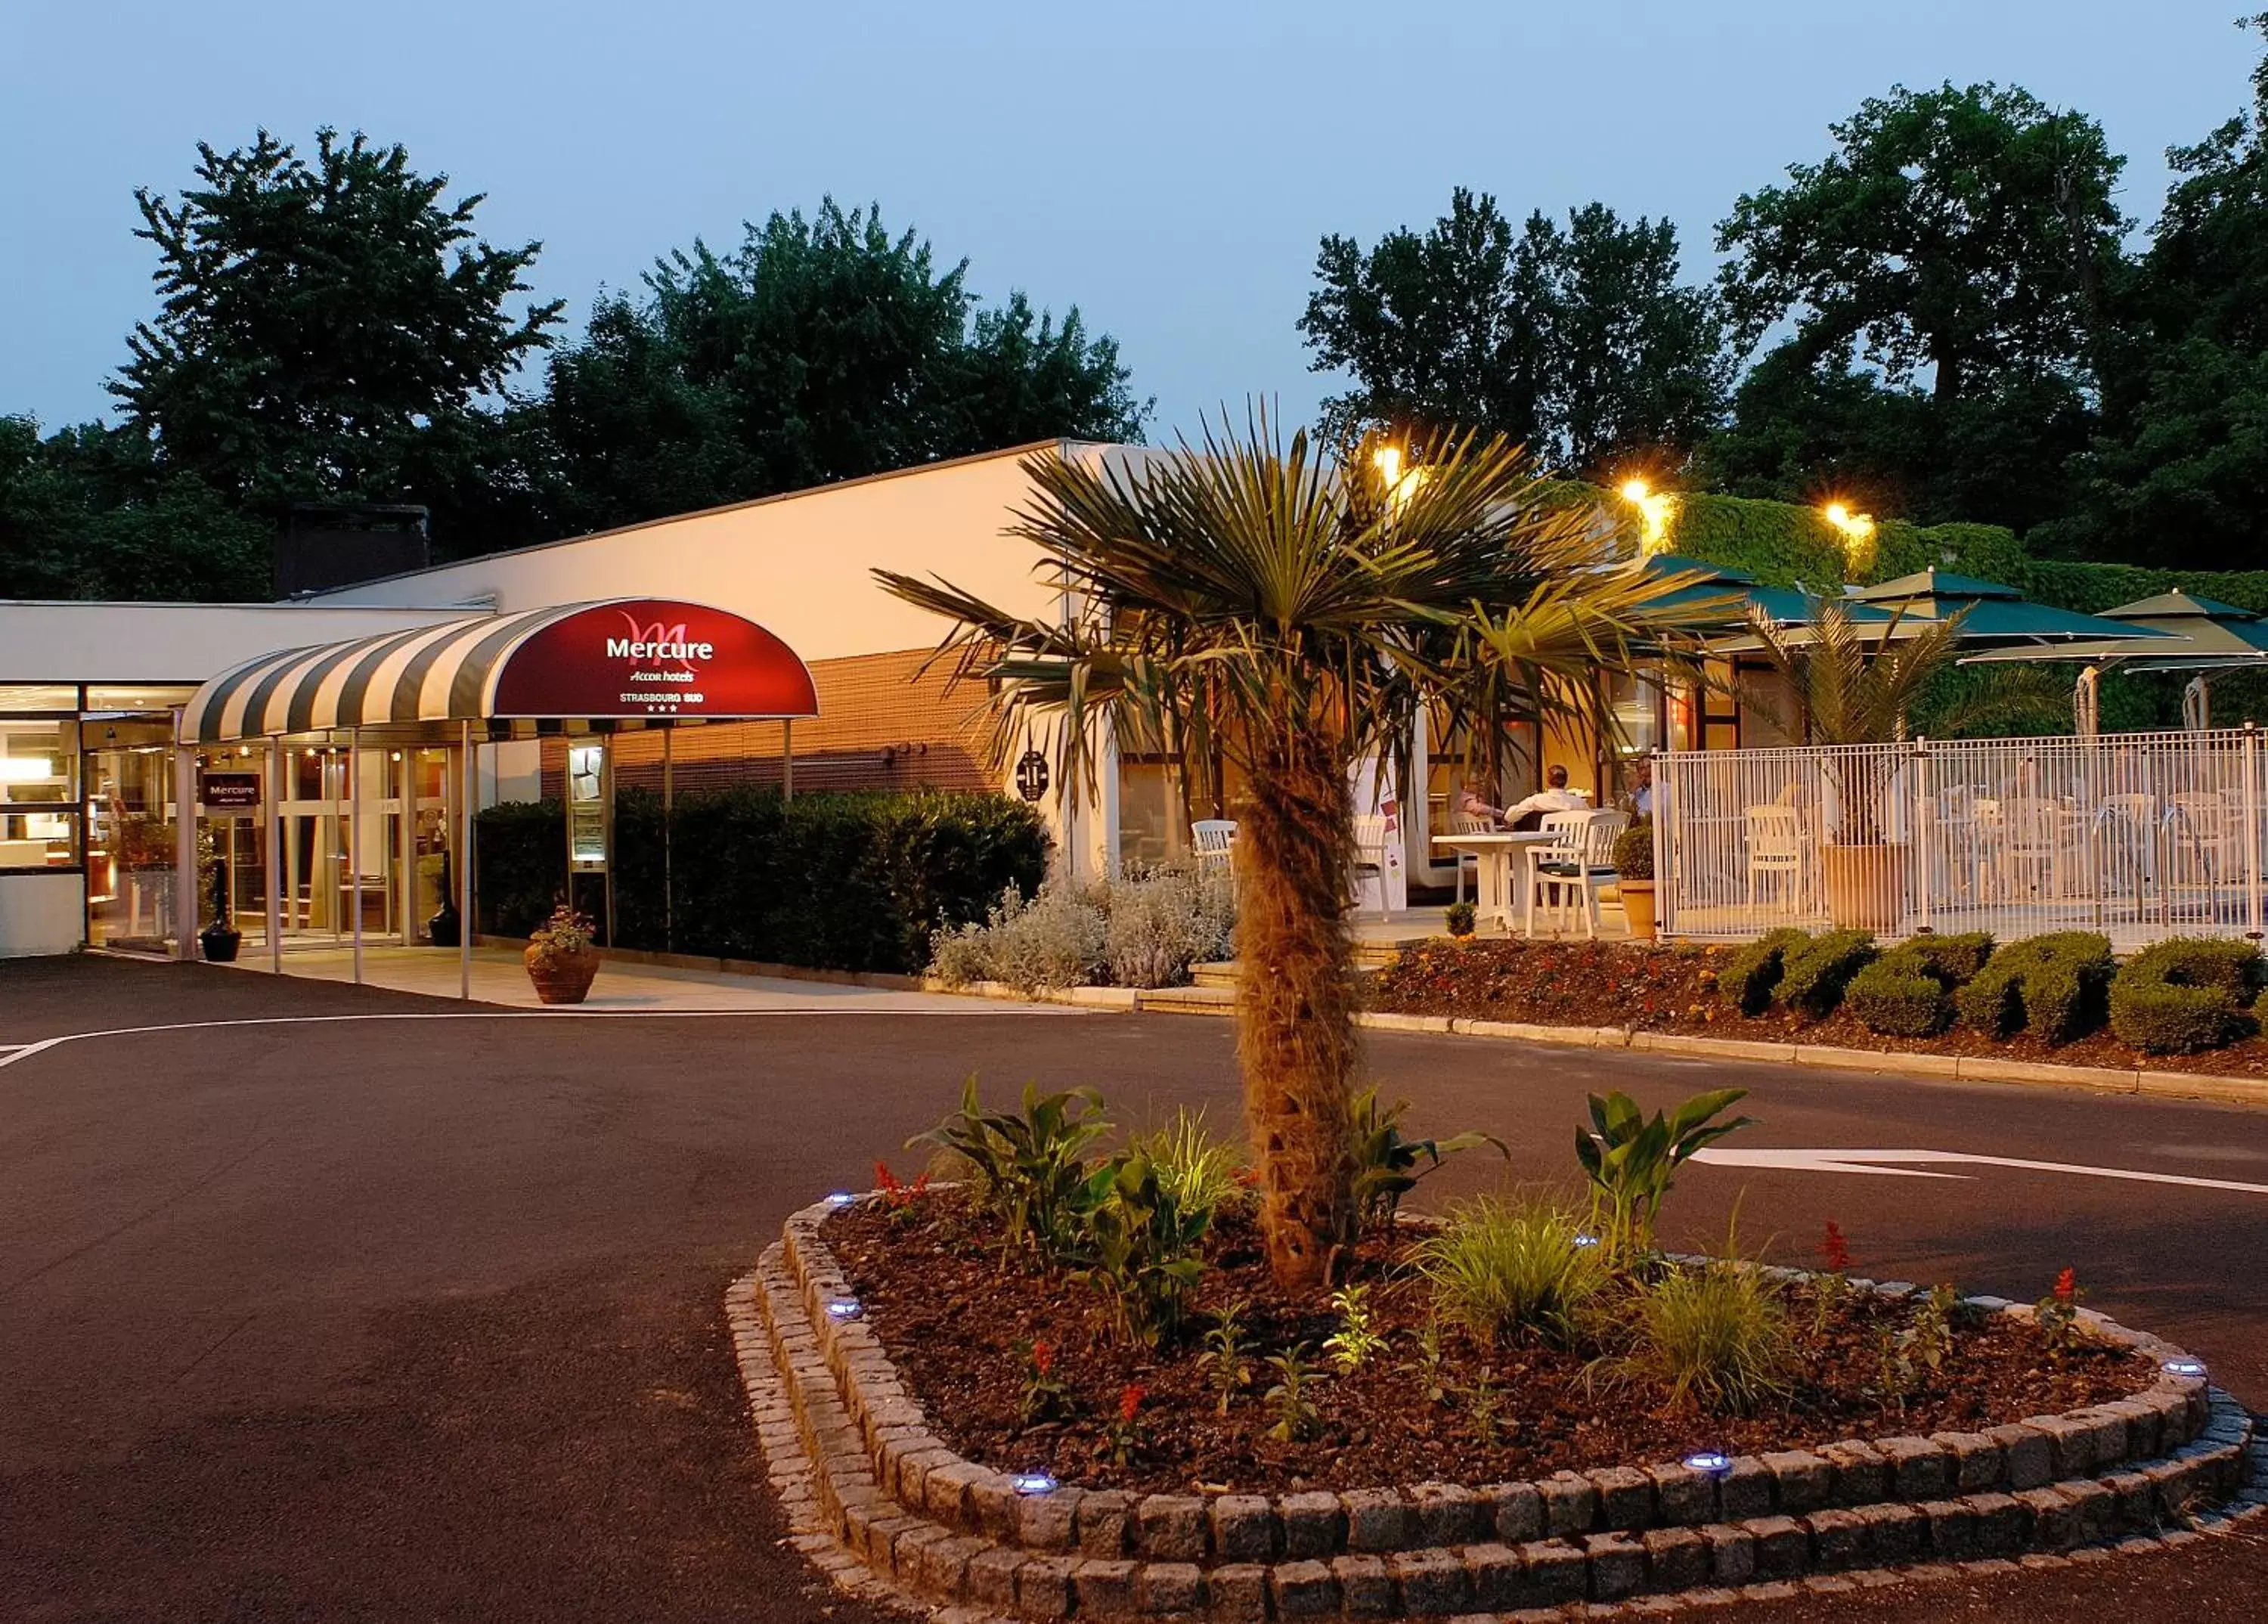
1294 1027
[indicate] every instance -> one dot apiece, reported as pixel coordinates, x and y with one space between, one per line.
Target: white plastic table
1495 853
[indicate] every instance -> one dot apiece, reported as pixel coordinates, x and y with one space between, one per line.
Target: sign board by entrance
1032 775
656 658
229 792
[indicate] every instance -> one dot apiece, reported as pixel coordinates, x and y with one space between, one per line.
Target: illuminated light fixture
846 1308
1031 1482
1710 1461
1400 483
1586 1240
840 1198
20 769
2183 1367
1655 509
1856 529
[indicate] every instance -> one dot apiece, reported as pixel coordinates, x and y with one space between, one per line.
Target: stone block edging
918 1469
878 1546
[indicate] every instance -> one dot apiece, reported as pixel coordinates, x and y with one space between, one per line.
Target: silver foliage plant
1145 930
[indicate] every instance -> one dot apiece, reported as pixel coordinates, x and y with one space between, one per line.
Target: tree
1258 605
820 350
1966 231
1579 343
322 324
2179 474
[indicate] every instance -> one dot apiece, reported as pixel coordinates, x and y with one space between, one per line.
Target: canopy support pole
354 839
188 879
2087 703
275 856
2197 705
465 790
669 806
787 761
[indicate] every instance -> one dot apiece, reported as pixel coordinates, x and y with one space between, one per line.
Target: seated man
1554 797
1470 804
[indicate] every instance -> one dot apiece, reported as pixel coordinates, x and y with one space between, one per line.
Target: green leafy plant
2187 994
1386 1163
1752 972
1199 1170
1225 1358
2052 986
1297 1418
1484 1408
1425 1370
1141 1248
1460 918
1632 1161
1715 1338
1634 855
1813 973
2056 1314
1045 1397
1908 992
1500 1269
1029 1167
1358 1340
1929 1339
566 933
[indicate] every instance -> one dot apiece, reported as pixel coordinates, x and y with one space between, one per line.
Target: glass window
39 696
38 840
36 759
142 697
1149 812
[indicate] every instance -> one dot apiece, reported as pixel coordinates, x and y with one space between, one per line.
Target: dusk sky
1167 167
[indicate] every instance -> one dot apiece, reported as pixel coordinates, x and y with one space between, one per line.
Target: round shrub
1813 973
2187 994
1908 992
1633 857
2052 986
1753 971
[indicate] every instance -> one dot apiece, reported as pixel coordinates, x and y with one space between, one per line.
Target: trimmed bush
1752 972
2190 994
1908 992
1813 973
2052 986
1633 857
856 881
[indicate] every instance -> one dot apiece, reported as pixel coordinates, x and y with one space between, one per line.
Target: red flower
1835 1250
2066 1286
1043 1357
886 1181
1130 1400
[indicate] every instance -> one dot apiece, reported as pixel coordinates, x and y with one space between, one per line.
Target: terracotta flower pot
561 978
1637 908
1865 885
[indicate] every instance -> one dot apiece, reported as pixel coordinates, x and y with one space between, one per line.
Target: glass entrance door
131 856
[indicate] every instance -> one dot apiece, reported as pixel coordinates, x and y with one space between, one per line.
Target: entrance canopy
644 660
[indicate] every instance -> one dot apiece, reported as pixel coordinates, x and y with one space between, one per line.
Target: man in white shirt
1555 797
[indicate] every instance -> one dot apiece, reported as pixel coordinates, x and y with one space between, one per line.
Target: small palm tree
1252 607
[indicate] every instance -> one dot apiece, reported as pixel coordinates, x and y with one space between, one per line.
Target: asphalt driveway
411 1317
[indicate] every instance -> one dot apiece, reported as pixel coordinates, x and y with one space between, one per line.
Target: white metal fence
2139 836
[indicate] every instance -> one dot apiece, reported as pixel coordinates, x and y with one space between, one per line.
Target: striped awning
618 658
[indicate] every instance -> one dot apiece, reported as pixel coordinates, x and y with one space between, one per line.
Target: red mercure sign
655 657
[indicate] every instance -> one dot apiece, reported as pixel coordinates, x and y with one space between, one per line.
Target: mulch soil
1665 988
960 1327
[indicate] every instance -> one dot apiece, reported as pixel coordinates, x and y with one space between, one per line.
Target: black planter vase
445 928
220 940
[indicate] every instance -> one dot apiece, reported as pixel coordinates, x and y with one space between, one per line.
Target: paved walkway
500 978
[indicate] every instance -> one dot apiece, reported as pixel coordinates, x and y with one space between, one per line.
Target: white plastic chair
1775 840
1466 824
1585 866
1215 839
1370 860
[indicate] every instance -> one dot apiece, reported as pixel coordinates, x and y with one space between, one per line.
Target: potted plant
561 957
1634 877
1854 687
445 928
220 939
1459 917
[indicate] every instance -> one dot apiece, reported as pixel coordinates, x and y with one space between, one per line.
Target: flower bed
1675 988
963 1330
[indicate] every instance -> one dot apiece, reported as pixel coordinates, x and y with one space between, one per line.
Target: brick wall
879 727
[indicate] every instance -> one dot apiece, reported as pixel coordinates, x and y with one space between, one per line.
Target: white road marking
1842 1159
23 1052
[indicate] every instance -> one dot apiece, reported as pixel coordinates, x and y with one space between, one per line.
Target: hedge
840 882
1814 972
1753 971
2188 993
2052 986
1908 992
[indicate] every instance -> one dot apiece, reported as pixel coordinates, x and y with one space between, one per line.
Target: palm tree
1268 610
